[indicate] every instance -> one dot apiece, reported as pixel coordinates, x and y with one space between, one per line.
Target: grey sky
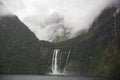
41 15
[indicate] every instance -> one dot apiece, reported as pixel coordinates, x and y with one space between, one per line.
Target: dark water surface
51 77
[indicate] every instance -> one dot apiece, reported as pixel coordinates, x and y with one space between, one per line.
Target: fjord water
42 77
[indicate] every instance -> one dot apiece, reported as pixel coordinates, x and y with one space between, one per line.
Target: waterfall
55 62
59 61
67 60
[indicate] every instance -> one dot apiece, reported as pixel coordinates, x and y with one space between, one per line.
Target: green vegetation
95 52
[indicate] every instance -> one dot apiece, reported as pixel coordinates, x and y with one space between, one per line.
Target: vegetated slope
20 50
96 52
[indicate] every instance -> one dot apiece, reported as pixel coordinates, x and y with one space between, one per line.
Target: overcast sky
45 17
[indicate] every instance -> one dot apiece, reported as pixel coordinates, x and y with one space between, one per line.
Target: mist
57 20
4 11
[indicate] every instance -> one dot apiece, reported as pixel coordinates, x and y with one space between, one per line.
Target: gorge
95 52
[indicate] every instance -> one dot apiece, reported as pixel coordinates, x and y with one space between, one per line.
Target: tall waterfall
55 62
59 61
67 60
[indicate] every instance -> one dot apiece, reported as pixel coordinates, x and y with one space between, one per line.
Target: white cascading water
67 60
55 62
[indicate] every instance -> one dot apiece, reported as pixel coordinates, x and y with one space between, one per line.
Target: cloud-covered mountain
20 50
95 52
78 15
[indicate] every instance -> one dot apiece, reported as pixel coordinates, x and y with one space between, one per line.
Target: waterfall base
59 62
58 74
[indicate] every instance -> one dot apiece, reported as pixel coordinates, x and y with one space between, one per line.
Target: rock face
95 52
20 50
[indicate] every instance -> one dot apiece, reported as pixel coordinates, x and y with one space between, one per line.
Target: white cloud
3 10
77 14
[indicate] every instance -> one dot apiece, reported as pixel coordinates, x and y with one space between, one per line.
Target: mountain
20 50
95 52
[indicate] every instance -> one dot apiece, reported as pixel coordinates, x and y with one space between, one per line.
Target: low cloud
3 10
57 20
